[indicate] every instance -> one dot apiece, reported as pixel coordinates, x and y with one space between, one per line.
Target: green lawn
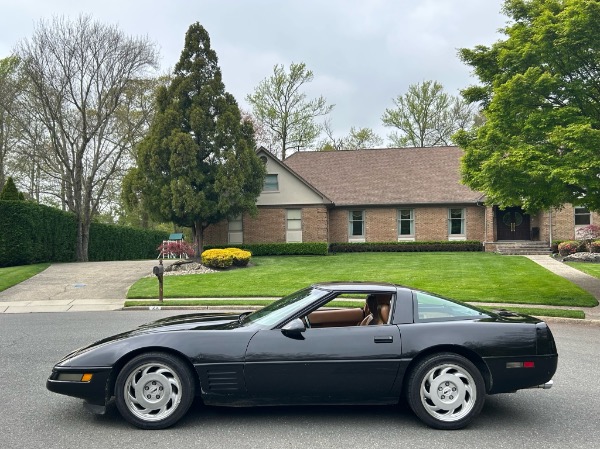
482 277
592 269
13 275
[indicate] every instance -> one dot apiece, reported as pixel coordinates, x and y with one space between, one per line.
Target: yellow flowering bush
240 257
217 258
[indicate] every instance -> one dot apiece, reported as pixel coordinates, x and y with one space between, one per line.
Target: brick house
408 194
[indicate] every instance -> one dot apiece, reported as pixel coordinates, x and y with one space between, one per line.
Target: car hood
195 321
190 322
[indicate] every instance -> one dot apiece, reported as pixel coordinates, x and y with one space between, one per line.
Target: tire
154 390
446 391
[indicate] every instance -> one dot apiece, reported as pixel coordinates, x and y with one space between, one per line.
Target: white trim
456 237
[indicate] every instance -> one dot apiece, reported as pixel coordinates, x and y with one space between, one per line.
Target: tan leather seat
370 309
377 309
384 313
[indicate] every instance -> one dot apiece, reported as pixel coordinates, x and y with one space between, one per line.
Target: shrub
569 247
179 248
284 249
34 233
594 246
9 192
587 235
240 257
217 258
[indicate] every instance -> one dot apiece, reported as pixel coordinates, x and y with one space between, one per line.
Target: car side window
435 308
351 309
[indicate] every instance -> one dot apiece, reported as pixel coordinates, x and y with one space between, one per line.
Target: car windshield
273 313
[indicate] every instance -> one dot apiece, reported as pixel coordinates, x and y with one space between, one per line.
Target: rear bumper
95 391
505 379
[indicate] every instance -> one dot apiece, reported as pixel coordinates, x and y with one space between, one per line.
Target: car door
328 365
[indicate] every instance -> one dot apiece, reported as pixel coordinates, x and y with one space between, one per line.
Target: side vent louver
223 380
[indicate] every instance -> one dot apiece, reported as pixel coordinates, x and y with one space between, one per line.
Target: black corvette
444 356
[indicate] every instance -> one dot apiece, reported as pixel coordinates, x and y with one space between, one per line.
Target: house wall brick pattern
269 226
314 224
380 225
431 223
216 234
563 223
338 225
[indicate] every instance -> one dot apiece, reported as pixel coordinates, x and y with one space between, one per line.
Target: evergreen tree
197 165
9 191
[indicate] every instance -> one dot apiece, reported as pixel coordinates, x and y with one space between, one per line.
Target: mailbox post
158 272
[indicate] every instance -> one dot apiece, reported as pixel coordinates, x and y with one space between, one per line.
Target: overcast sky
363 52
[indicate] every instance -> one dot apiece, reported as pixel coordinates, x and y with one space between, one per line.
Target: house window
406 224
582 216
293 225
456 223
271 184
235 230
356 226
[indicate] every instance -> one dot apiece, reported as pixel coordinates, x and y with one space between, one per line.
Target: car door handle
386 339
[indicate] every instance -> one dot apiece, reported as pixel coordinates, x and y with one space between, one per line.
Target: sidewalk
61 305
583 280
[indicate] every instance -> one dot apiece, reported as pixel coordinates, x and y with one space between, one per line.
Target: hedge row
322 249
33 233
112 242
465 245
282 249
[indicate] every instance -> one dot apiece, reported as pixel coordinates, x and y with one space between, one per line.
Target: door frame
513 230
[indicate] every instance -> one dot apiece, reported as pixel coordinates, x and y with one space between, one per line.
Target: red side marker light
520 364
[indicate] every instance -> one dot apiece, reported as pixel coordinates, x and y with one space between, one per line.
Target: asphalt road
567 416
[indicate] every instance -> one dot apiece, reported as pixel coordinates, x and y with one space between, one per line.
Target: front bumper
95 391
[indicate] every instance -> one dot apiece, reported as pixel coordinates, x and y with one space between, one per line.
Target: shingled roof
386 176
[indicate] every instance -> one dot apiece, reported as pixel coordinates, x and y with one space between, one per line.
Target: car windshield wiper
242 316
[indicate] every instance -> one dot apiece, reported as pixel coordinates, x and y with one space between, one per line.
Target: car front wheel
154 390
446 391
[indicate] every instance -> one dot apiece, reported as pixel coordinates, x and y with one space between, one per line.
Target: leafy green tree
283 109
426 116
9 191
197 165
357 139
363 138
539 145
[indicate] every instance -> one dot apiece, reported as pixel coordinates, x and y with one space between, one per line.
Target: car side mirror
294 328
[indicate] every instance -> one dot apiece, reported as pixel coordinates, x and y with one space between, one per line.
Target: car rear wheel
154 390
446 391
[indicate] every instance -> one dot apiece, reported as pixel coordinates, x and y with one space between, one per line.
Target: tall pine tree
197 165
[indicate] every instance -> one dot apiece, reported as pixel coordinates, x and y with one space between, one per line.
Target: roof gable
386 176
293 189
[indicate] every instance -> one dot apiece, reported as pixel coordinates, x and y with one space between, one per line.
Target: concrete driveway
75 287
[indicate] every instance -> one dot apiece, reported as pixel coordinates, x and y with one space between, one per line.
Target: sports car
329 343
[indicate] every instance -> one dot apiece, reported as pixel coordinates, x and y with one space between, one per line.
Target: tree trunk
83 240
198 230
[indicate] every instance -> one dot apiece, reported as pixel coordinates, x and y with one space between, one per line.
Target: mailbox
158 270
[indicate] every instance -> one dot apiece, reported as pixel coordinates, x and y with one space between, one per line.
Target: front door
513 224
335 365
